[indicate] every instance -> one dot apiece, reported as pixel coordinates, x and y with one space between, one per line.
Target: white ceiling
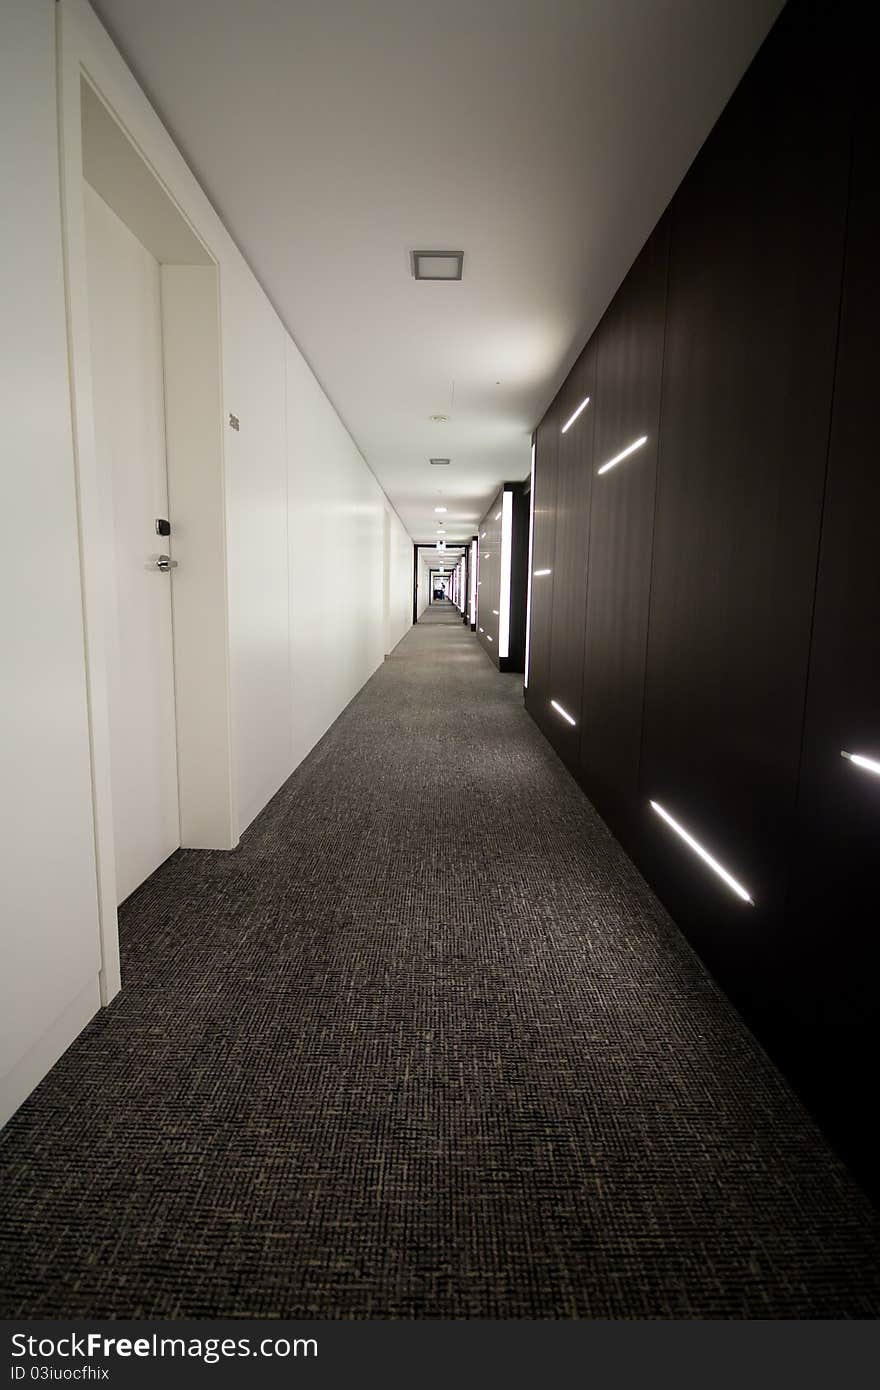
541 137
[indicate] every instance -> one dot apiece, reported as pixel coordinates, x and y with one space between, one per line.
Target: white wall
48 927
400 607
307 619
336 561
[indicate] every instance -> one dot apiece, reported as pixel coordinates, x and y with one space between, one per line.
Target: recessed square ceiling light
437 462
439 509
437 265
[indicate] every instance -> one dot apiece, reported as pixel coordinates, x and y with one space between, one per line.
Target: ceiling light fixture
438 463
539 572
437 265
570 421
704 855
440 509
624 453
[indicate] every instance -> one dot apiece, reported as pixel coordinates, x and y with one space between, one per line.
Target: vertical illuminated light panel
506 560
473 612
529 586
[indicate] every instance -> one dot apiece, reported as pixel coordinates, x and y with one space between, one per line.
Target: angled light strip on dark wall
571 419
624 453
704 855
869 764
564 712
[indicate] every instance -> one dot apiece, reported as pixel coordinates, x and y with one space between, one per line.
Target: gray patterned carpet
424 1046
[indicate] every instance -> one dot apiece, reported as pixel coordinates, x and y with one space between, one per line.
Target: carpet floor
424 1045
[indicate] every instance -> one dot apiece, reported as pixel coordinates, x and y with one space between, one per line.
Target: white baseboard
17 1084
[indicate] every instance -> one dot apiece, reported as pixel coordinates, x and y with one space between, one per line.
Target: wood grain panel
489 579
543 558
574 485
754 287
627 406
831 938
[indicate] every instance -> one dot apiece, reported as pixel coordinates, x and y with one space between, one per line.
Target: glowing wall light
473 605
571 419
564 712
624 453
529 588
869 764
704 855
506 515
538 573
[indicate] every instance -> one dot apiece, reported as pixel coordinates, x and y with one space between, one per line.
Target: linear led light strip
869 764
538 573
564 712
529 589
571 419
704 855
624 453
506 515
473 613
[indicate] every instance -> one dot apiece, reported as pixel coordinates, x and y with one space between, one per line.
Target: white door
126 337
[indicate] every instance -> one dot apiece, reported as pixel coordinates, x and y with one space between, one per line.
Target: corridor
425 1045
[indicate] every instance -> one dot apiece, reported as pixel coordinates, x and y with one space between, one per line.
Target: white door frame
79 60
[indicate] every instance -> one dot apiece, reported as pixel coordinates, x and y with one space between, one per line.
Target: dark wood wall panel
753 299
489 579
543 558
831 936
574 485
627 402
712 622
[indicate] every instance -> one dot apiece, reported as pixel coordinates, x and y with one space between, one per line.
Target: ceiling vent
437 265
436 463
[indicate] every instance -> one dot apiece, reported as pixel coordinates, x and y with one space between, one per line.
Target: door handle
165 562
